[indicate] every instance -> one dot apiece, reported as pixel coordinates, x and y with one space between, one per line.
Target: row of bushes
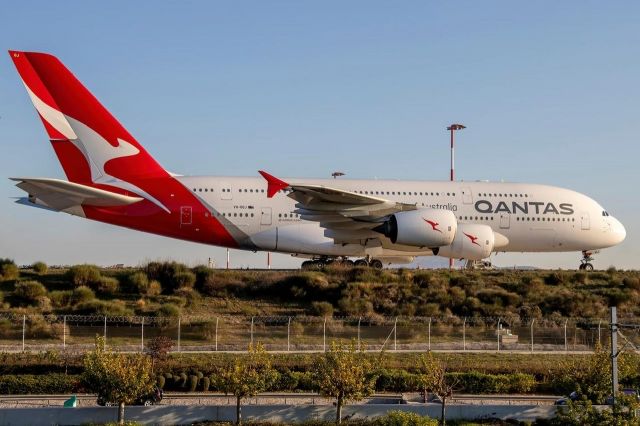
387 381
288 381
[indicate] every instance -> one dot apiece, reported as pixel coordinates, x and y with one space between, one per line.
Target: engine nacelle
473 242
420 228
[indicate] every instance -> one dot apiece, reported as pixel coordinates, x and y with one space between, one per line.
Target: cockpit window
605 213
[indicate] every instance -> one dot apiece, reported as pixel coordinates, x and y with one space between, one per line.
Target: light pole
452 128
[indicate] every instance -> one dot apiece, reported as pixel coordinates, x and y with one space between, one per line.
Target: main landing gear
585 262
321 263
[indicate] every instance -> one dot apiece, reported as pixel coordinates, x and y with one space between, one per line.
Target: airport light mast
452 128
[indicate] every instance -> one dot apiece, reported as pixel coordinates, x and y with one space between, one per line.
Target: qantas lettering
448 206
533 207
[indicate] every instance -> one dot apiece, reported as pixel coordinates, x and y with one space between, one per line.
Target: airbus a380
113 179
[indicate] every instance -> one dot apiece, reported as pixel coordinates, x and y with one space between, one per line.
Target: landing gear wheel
361 262
308 265
376 264
585 262
348 263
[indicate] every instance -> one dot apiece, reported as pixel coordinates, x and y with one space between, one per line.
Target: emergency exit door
265 216
186 215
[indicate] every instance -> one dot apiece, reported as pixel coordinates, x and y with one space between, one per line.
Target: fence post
565 334
142 335
395 331
429 333
289 334
216 334
251 331
599 341
64 332
464 334
498 334
24 329
532 321
179 325
324 335
359 318
105 331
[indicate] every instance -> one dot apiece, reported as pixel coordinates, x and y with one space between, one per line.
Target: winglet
273 184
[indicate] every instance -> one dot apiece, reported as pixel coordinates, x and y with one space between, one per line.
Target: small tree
246 376
344 373
117 377
157 349
433 378
40 268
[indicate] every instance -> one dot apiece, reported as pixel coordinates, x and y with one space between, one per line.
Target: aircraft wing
61 195
346 216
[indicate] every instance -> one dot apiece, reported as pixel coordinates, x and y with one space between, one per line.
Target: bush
107 285
60 298
40 268
104 308
160 381
184 279
8 270
168 310
404 418
81 294
52 383
322 309
138 282
154 288
193 383
29 292
83 275
171 275
206 382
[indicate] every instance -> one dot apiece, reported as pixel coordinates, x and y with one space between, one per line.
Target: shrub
107 285
188 294
203 274
160 381
322 309
154 288
8 270
171 275
40 268
60 298
206 382
28 292
404 418
83 275
81 294
168 310
101 307
184 279
138 282
193 383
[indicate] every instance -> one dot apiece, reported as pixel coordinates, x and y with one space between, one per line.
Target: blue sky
548 90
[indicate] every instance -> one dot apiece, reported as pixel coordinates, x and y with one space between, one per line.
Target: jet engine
473 242
420 228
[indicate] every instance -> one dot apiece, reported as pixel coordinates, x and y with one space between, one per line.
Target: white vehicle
113 179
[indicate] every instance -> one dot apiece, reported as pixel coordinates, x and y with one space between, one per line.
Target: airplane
111 178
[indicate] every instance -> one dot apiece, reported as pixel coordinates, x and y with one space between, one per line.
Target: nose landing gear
585 262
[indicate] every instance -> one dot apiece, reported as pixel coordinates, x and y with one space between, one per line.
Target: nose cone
618 233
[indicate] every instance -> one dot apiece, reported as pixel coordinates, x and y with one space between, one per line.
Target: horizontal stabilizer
61 195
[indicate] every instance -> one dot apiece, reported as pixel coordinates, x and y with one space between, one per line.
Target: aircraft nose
618 231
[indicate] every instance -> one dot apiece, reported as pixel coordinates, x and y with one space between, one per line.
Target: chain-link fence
301 333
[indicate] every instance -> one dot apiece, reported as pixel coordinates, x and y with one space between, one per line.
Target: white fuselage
534 218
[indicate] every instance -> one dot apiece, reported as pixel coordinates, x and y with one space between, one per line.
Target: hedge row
388 380
38 384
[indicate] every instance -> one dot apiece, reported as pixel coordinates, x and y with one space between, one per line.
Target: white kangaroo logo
96 149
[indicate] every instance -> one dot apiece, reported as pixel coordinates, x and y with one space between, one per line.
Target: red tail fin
92 146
